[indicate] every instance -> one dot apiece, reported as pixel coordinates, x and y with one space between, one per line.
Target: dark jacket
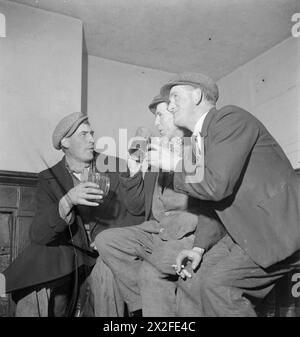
56 244
251 182
139 200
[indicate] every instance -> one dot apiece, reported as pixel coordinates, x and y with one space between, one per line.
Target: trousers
52 299
141 263
228 283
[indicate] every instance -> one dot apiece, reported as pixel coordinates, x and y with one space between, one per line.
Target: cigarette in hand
177 269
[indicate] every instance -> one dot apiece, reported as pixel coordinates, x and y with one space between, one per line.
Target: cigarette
175 266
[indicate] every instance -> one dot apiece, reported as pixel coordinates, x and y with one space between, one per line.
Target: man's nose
91 139
156 122
171 107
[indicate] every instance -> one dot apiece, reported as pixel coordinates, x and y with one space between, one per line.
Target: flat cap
195 80
66 127
156 100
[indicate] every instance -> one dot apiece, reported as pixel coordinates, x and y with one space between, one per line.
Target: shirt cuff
65 209
199 250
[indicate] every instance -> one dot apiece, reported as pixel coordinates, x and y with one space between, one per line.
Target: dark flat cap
195 80
66 127
156 100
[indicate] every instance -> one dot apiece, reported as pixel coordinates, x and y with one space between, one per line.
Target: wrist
199 250
69 200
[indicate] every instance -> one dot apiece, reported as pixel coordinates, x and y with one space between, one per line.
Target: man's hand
193 255
88 194
161 157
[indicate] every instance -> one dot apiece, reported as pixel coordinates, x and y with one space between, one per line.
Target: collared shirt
197 130
199 124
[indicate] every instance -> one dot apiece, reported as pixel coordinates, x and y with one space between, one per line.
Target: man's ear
65 143
197 95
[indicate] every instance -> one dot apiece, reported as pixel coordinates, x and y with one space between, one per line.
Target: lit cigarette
175 266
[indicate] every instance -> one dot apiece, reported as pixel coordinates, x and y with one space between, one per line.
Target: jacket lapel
210 116
62 177
149 184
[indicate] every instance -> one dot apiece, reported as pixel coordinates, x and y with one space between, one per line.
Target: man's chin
177 121
89 156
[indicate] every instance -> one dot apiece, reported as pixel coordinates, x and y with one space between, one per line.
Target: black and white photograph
150 161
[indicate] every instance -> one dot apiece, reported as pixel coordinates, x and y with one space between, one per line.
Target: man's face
80 146
164 121
181 104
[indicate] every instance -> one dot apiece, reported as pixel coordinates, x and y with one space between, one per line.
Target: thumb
179 259
196 261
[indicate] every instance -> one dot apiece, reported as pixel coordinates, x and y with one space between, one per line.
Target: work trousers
142 265
228 283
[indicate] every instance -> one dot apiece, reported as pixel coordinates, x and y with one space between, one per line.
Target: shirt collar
199 124
77 175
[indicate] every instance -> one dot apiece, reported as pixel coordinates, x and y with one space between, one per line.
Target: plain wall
119 95
269 87
40 82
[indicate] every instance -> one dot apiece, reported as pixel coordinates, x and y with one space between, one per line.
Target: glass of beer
101 179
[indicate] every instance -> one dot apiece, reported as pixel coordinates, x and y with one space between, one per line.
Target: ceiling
212 36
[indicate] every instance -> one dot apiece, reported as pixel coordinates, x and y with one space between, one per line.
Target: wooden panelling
18 178
22 239
5 255
5 235
28 200
17 207
9 196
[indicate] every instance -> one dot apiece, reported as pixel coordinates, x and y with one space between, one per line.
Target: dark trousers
65 296
228 283
60 297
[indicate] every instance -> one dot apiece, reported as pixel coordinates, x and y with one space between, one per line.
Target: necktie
195 148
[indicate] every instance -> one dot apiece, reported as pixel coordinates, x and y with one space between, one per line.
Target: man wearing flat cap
141 256
245 175
70 212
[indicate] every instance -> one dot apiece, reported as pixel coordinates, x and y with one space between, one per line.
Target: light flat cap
66 127
195 80
156 100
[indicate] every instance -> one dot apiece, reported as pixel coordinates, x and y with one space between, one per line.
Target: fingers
182 272
180 257
91 196
93 191
89 184
84 202
185 274
196 262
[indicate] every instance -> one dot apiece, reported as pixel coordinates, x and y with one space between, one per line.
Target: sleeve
208 231
47 223
233 137
133 188
65 209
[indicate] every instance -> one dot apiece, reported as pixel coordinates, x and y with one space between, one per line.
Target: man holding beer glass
74 203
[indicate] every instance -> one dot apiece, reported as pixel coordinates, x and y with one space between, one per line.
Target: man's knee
104 240
147 273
